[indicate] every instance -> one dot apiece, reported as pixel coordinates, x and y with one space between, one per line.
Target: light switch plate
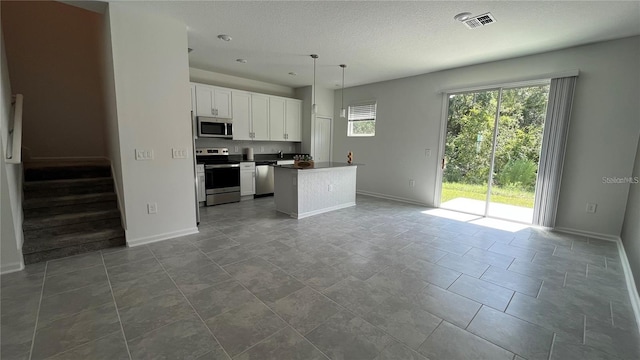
142 154
152 208
179 153
591 208
427 152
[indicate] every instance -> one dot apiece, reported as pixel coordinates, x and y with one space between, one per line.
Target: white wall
151 77
235 82
602 138
324 102
631 227
10 184
54 58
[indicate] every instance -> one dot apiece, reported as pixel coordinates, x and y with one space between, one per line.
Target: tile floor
382 280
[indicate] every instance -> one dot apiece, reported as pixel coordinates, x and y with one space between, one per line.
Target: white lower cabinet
247 178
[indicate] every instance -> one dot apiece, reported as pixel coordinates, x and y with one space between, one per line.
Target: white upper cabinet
276 119
260 116
241 115
213 102
293 120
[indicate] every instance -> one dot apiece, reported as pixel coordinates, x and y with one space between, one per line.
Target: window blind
362 112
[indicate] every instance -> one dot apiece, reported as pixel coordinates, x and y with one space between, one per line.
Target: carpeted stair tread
86 227
73 239
68 200
73 250
41 222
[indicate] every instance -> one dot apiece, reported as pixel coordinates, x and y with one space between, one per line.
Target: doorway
322 138
492 151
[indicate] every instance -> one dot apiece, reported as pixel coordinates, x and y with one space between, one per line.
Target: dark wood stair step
57 220
31 246
65 171
71 250
67 187
66 200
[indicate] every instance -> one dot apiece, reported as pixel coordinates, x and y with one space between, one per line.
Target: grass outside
510 196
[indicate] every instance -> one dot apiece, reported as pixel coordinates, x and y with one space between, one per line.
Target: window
362 120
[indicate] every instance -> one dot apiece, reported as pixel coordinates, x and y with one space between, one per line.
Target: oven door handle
221 166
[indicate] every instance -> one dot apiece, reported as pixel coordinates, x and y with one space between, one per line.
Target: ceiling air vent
479 21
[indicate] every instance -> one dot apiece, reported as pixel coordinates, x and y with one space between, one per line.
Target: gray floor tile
570 350
397 282
489 257
512 280
447 305
539 271
263 279
611 340
548 315
463 265
127 255
424 252
73 280
73 263
482 291
434 274
244 326
143 288
446 340
18 323
219 242
397 351
360 266
305 309
285 344
347 337
110 347
291 260
319 276
134 270
183 339
220 298
185 262
513 251
537 244
193 280
518 336
581 300
449 246
65 334
356 295
568 254
329 254
154 313
20 284
173 247
474 241
404 320
65 304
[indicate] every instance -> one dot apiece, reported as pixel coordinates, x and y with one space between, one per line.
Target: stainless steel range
222 176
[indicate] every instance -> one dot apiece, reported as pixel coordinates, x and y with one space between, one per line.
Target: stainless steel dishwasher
264 178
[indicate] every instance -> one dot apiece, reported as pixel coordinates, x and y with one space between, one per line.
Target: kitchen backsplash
259 147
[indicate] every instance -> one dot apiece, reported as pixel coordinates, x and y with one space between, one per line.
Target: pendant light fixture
314 107
343 111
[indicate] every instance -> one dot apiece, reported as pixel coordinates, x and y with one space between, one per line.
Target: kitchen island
327 186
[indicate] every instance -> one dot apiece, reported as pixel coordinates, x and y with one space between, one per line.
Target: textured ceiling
382 40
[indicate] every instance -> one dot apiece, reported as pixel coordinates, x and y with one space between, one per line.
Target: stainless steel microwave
214 127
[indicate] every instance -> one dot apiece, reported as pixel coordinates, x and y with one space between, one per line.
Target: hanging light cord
343 66
314 78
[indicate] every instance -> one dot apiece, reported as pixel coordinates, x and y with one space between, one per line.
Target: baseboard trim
160 237
590 234
316 212
12 267
390 197
631 284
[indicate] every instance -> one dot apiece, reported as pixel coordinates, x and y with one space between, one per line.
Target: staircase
69 208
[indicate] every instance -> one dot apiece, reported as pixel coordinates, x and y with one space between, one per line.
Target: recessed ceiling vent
479 21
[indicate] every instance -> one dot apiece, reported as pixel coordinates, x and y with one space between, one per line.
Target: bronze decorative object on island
349 157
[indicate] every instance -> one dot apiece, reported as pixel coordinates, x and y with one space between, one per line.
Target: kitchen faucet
280 156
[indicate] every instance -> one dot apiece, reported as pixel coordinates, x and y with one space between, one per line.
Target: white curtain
554 142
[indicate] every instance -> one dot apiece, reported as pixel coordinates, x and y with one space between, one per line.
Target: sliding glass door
492 151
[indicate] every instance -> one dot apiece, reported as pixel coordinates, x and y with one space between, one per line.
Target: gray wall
631 228
602 139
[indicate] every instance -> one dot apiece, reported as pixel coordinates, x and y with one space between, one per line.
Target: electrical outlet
142 154
591 208
152 208
179 153
236 149
412 183
427 152
330 187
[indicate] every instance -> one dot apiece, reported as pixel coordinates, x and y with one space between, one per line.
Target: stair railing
14 140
